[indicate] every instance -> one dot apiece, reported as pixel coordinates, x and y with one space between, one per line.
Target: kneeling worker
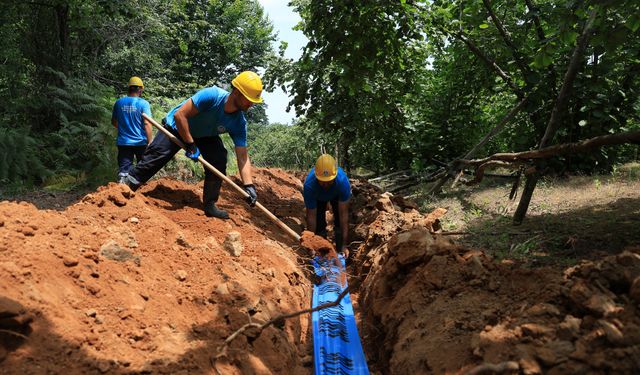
327 183
198 123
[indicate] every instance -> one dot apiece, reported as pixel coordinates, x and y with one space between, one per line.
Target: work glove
253 195
192 151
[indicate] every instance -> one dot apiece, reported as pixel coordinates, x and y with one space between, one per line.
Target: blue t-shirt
313 192
128 112
211 119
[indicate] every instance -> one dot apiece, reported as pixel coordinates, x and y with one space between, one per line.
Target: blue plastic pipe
336 344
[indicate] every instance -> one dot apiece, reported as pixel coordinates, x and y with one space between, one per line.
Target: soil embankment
143 282
431 306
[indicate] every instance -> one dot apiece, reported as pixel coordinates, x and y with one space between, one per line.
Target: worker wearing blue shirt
134 132
327 183
198 123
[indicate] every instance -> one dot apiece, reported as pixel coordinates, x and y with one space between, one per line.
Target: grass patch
580 217
64 182
628 171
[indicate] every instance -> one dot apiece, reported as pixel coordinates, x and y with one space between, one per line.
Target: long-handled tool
211 168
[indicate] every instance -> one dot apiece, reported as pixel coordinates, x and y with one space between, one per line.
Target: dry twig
222 349
8 332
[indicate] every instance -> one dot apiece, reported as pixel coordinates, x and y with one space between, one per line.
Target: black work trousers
126 154
162 149
321 221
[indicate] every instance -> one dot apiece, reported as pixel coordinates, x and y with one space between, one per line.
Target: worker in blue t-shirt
198 123
327 183
134 132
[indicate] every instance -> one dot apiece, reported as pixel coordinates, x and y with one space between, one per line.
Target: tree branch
8 332
572 71
495 130
498 128
222 349
38 4
507 39
479 174
562 149
536 19
460 36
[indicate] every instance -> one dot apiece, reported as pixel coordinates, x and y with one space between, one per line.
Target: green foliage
19 156
399 83
534 56
64 63
353 74
211 41
382 85
294 147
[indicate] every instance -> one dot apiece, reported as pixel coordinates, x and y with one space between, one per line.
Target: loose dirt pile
430 306
143 282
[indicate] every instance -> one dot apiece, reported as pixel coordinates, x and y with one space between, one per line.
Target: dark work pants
213 151
321 221
162 149
126 154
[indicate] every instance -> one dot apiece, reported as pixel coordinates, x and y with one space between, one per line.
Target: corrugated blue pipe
336 344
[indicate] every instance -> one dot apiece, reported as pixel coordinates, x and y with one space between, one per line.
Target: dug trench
124 282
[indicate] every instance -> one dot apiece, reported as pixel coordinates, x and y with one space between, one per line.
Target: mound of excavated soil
143 282
430 306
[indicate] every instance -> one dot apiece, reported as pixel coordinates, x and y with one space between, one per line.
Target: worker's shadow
173 199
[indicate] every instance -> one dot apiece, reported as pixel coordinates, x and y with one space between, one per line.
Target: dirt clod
317 244
233 244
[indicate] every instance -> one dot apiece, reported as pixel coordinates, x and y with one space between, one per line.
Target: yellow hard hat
136 81
326 168
250 85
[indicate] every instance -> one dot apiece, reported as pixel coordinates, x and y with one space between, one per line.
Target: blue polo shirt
211 119
128 112
313 192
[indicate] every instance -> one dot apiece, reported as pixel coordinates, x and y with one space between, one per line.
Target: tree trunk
62 17
525 198
559 110
344 152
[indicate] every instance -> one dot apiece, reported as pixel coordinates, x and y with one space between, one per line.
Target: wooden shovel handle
213 169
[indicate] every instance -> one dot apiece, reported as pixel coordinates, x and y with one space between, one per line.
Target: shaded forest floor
578 217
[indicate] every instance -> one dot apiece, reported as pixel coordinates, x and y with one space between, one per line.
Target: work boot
131 182
122 178
211 210
210 195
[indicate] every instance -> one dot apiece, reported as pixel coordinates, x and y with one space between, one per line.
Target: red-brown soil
431 306
124 282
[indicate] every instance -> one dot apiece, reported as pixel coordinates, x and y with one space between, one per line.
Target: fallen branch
389 175
8 332
488 368
222 349
558 150
495 130
479 175
403 187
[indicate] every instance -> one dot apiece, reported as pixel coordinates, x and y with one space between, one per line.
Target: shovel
225 178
